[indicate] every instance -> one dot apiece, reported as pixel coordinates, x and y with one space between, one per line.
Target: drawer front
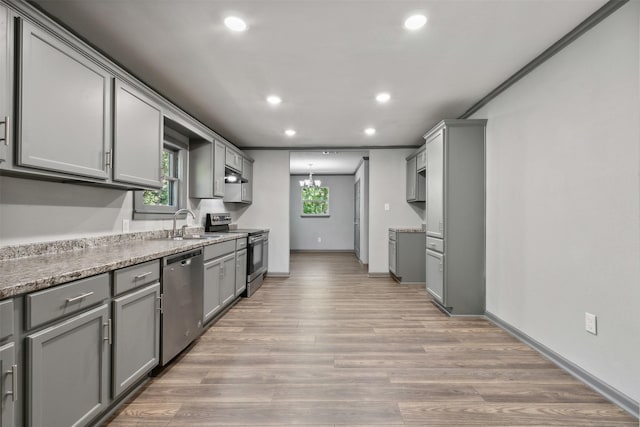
435 244
135 276
219 249
6 319
392 235
48 305
241 243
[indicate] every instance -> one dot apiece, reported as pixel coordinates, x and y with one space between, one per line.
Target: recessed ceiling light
370 131
274 99
415 22
383 97
235 24
290 132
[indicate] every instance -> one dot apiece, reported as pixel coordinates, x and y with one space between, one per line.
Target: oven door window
256 257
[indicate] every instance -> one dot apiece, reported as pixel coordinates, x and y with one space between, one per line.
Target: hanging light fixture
310 182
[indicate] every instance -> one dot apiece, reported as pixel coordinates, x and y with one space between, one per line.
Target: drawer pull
433 245
79 297
14 380
143 275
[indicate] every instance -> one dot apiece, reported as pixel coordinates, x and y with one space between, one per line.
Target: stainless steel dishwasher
181 302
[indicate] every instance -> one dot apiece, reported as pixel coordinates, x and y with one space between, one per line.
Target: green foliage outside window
162 197
315 200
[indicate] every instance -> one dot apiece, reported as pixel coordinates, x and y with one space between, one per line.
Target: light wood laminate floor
330 346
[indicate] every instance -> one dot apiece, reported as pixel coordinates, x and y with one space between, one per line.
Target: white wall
336 232
387 185
362 175
563 202
270 206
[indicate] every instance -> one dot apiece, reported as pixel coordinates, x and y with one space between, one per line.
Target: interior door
356 220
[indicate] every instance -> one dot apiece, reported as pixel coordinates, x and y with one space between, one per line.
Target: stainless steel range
257 247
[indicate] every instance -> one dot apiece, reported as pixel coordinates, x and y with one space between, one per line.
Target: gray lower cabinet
8 385
241 271
5 88
136 336
455 223
68 370
211 296
227 278
137 138
206 169
64 107
406 262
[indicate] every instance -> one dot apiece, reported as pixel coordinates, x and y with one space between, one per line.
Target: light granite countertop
407 229
22 275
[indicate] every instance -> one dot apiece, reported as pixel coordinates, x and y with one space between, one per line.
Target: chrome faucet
175 216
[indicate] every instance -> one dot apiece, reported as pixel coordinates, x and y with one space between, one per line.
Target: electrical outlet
125 225
319 239
590 323
386 206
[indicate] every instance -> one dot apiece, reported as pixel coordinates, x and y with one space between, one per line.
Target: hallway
330 346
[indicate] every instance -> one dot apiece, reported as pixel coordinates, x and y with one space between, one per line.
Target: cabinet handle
107 159
185 263
433 245
109 337
14 381
143 275
79 297
7 129
160 305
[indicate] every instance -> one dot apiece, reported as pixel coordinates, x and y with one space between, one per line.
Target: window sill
315 216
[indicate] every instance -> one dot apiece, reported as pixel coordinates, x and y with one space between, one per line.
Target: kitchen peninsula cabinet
137 139
8 366
455 241
406 263
206 169
64 106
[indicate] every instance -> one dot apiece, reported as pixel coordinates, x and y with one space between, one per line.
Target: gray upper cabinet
5 88
415 185
421 160
247 187
8 385
64 107
206 169
137 138
435 184
136 336
233 160
68 370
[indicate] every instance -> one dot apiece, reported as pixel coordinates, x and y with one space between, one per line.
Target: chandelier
310 182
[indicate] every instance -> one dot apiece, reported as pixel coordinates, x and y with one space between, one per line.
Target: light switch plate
386 206
125 225
590 323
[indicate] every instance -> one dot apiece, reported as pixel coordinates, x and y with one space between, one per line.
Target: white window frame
326 214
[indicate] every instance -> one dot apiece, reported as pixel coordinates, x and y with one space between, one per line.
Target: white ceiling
325 162
326 59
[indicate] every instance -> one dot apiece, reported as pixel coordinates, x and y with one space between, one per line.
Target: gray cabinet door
68 370
5 89
241 271
435 275
228 279
392 256
247 187
435 185
137 138
233 160
411 179
421 162
218 168
211 292
8 385
136 336
64 105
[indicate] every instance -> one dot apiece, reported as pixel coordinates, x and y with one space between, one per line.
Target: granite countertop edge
407 229
24 275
